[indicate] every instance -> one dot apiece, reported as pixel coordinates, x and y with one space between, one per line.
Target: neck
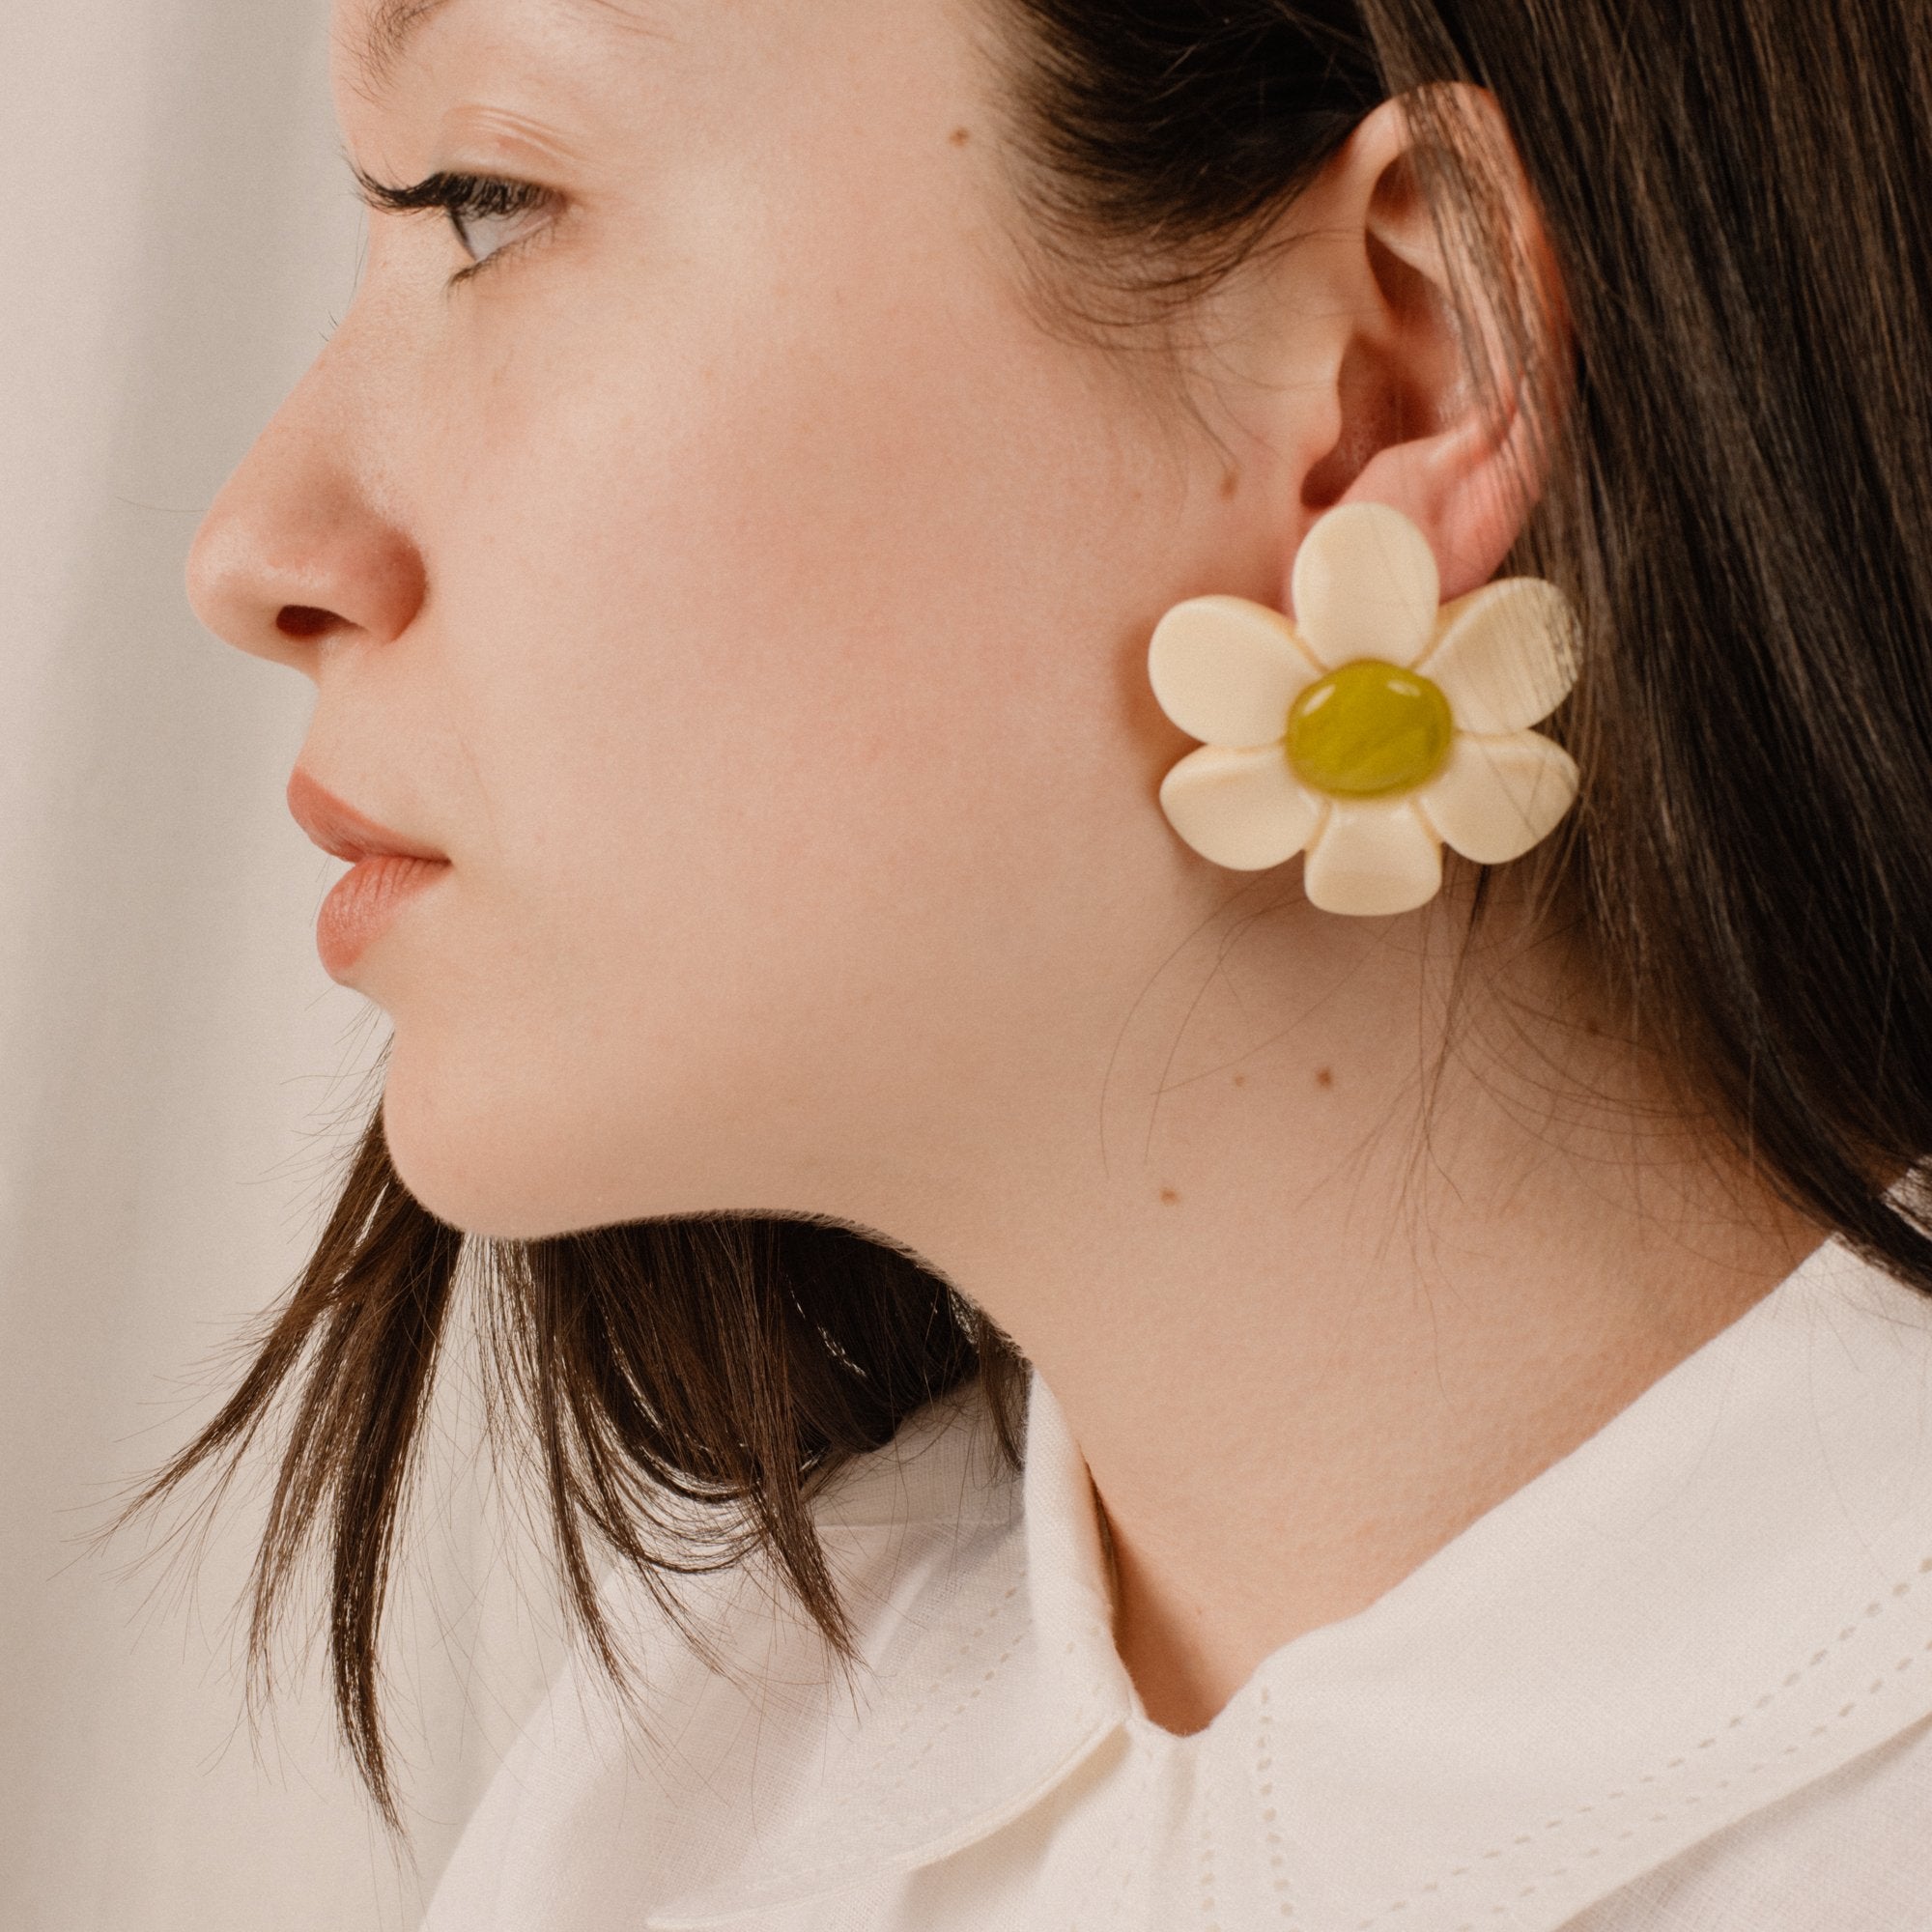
1321 1305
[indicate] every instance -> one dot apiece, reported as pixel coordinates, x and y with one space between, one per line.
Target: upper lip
337 827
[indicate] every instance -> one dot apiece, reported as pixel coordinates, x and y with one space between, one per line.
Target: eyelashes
472 204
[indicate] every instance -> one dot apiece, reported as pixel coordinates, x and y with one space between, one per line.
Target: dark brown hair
1738 502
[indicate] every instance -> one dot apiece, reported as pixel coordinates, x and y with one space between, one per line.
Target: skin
745 580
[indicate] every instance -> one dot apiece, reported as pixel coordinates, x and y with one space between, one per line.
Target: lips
338 828
386 872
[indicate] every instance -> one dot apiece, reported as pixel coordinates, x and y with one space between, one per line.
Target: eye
487 213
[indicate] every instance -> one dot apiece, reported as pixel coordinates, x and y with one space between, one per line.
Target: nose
295 548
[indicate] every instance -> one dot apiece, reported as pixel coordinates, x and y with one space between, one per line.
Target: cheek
798 671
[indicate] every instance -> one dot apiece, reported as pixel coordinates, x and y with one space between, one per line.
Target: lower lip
363 903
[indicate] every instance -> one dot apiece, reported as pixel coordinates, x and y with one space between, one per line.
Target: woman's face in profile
737 578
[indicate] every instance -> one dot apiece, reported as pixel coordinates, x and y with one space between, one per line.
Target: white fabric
181 234
1682 1680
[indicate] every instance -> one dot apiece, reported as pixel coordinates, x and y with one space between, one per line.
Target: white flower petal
1365 586
1497 797
1372 857
1241 808
1505 656
1227 670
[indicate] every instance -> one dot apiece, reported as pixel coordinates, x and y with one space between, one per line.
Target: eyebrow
393 26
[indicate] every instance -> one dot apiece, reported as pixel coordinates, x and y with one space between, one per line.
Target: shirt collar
1721 1596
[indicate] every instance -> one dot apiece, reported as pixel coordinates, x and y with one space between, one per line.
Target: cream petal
1372 857
1365 586
1241 808
1227 670
1505 656
1497 797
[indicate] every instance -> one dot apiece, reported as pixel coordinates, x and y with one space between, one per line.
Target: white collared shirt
1682 1680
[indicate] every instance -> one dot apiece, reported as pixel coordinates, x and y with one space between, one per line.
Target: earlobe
1440 410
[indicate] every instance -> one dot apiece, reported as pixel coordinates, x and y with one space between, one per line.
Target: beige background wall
175 1068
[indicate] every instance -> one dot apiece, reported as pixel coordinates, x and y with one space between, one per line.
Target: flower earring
1374 728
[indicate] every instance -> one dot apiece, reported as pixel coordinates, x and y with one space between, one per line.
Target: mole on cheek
960 136
1241 1080
1324 1077
1168 1195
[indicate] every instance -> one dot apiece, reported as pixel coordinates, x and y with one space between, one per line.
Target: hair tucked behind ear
1744 507
1739 504
1741 499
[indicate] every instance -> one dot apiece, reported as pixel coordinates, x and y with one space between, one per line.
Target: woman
1139 790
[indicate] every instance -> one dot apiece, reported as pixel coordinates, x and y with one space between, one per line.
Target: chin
468 1193
510 1152
490 1164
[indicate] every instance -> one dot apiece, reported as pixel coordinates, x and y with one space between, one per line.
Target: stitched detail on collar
1002 1612
1280 1882
1852 1640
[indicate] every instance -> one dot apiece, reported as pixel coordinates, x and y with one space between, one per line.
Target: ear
1440 414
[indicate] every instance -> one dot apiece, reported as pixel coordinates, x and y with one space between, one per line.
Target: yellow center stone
1367 728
